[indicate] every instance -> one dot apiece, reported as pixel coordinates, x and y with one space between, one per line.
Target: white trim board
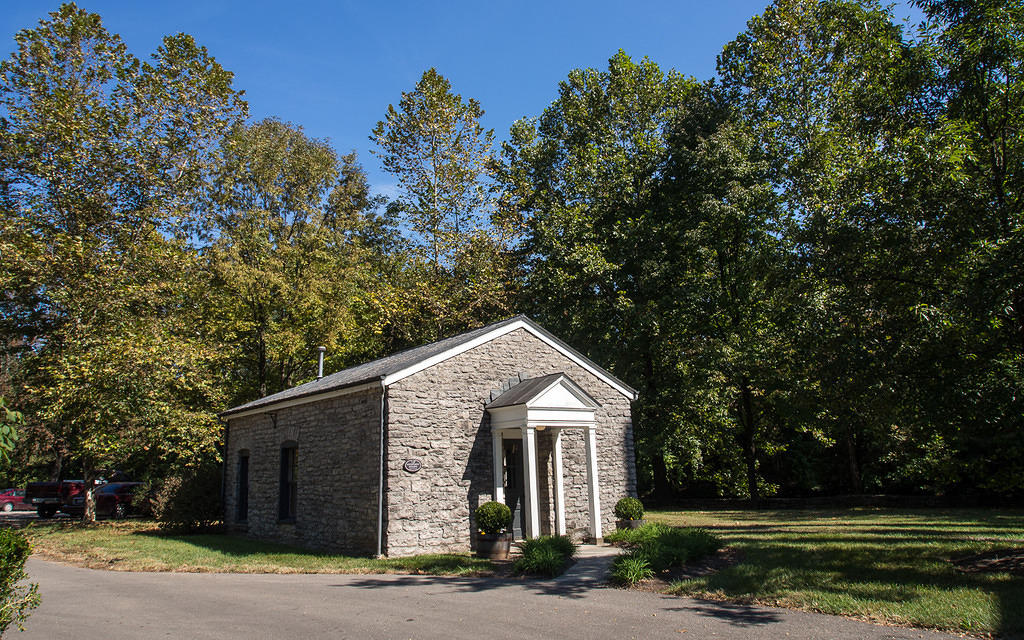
496 333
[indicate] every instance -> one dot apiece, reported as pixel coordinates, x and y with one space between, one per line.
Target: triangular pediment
563 394
555 391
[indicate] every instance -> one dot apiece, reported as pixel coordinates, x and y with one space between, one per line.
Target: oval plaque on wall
412 465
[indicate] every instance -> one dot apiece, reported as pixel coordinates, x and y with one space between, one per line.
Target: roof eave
305 398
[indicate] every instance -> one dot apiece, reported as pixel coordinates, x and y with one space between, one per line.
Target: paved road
108 605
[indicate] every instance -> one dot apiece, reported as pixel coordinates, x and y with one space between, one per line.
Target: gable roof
391 369
529 389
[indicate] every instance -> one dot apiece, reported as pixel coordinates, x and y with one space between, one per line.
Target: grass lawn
883 565
136 545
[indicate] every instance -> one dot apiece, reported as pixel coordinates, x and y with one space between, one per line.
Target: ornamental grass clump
545 556
654 548
630 569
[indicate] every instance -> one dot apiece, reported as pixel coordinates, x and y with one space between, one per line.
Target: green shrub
143 498
663 547
493 517
633 537
190 501
629 509
15 600
631 568
545 556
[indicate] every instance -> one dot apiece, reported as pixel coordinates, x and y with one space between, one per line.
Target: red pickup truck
50 497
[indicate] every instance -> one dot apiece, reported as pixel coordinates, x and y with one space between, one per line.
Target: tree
654 243
974 396
296 241
834 96
458 270
103 159
731 300
586 179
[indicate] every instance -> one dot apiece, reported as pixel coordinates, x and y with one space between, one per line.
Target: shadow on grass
242 549
1008 518
907 577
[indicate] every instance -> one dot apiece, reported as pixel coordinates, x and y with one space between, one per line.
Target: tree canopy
809 265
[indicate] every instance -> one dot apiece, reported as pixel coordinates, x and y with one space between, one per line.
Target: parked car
49 497
115 499
14 500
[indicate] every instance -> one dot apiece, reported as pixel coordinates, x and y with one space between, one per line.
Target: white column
530 481
559 487
593 488
498 457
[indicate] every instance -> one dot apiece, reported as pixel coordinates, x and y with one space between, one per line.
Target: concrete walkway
591 566
110 605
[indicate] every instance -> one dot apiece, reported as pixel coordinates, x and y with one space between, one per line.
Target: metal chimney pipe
320 368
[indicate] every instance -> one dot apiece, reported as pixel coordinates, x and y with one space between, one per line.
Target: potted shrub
493 540
630 513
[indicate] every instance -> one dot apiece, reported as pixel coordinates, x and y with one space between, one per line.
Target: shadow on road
737 615
463 585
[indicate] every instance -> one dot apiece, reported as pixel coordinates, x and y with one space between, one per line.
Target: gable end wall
437 416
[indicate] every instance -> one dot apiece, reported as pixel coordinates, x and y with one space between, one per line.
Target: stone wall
437 416
337 473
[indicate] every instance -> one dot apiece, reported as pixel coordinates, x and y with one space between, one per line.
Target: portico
553 402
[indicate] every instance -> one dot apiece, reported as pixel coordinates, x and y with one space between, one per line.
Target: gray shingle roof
523 391
383 367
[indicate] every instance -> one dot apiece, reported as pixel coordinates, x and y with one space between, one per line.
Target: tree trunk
89 486
58 466
261 374
1018 308
852 468
662 487
747 440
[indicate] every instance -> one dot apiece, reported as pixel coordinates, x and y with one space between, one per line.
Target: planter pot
493 546
630 524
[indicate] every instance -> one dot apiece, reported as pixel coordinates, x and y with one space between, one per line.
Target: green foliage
892 565
492 517
656 547
629 509
634 157
8 434
292 260
189 502
105 159
456 271
16 600
545 556
826 295
630 569
673 545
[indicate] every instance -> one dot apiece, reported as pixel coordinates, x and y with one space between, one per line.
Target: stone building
392 456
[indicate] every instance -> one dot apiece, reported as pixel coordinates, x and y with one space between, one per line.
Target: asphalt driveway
84 604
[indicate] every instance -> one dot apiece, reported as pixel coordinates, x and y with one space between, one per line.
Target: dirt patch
997 561
721 559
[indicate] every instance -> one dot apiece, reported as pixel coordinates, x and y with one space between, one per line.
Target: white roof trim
316 397
570 386
497 333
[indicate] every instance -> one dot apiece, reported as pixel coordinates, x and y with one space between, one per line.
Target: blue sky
333 67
